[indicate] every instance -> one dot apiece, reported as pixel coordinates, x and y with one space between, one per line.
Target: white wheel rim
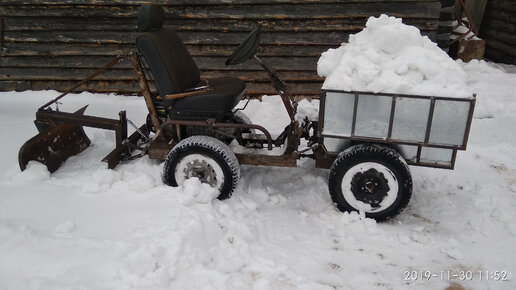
202 167
387 201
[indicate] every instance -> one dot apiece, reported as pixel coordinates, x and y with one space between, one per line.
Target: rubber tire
240 117
382 155
211 148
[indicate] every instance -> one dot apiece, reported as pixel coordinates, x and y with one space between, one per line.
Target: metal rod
393 141
432 165
468 127
403 95
221 125
430 119
354 121
224 133
138 130
89 78
137 66
471 28
121 129
178 132
391 117
454 158
322 108
418 156
280 86
81 120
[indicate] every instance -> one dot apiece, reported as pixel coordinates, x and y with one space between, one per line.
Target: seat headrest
150 17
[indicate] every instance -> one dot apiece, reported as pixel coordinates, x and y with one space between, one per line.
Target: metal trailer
366 140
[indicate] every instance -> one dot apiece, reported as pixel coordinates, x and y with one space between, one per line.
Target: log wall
499 30
51 44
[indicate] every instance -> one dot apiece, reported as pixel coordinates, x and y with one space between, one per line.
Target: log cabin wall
499 30
52 44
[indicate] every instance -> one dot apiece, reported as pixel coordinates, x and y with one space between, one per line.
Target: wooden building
51 44
499 30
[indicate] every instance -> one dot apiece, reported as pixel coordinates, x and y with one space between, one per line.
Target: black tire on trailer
206 158
373 178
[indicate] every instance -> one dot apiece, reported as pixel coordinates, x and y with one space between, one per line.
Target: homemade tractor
366 140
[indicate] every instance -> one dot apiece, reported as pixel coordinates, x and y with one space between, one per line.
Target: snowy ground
87 227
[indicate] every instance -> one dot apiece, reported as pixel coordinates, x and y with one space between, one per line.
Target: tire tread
365 150
209 143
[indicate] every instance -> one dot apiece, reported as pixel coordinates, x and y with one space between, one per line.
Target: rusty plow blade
54 145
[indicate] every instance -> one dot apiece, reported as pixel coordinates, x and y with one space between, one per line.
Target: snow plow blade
62 135
53 146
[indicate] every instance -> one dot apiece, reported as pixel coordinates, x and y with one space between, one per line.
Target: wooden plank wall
499 31
51 44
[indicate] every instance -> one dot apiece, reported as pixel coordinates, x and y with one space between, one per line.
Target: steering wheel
246 49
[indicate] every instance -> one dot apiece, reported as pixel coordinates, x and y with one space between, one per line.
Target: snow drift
391 57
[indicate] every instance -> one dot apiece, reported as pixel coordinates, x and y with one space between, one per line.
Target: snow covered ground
87 227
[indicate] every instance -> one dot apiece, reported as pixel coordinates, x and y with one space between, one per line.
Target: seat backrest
172 67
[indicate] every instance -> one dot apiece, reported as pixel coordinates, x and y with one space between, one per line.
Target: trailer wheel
371 178
206 158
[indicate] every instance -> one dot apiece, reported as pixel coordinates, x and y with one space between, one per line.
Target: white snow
391 57
459 30
87 227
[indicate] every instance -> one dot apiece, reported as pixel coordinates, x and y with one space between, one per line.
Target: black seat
175 71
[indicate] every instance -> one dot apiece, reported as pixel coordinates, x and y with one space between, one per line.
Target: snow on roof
392 57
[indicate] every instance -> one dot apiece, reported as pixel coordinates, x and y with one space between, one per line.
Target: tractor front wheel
205 158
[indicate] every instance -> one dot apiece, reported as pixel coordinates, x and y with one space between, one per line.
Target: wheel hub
370 187
202 170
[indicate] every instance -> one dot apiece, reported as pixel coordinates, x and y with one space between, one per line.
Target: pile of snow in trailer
389 60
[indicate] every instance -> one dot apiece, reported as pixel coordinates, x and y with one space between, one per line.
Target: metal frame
160 145
388 139
46 117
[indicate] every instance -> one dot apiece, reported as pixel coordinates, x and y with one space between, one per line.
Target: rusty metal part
121 152
160 150
137 65
119 126
469 49
54 145
171 124
63 136
280 87
471 25
267 160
